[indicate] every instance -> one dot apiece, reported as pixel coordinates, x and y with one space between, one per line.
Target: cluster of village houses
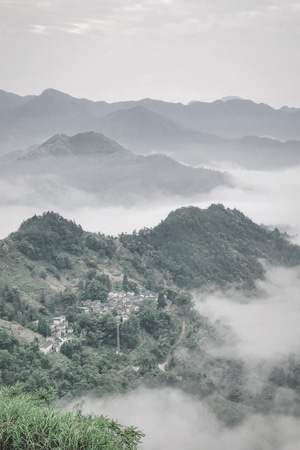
125 303
61 332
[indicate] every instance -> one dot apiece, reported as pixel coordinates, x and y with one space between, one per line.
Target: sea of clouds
269 198
264 330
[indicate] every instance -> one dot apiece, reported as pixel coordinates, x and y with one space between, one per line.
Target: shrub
27 422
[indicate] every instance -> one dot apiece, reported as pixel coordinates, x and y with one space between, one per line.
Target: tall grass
27 424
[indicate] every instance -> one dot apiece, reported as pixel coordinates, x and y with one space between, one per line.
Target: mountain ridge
146 131
82 144
100 167
216 244
54 112
190 248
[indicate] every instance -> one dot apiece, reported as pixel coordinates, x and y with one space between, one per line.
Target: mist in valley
267 197
172 419
266 325
117 57
256 333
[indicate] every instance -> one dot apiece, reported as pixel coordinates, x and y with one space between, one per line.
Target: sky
174 50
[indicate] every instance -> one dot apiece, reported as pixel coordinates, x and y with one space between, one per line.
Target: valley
150 225
188 244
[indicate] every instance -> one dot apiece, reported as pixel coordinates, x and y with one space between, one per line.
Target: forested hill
195 247
51 267
191 248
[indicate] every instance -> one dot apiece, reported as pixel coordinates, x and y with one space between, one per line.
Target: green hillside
194 247
191 248
51 268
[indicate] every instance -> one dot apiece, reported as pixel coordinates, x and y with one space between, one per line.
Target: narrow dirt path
163 365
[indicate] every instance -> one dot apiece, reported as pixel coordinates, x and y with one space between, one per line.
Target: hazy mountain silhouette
196 133
233 118
145 131
92 163
9 101
51 112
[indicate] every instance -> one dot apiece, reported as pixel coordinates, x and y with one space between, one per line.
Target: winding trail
181 337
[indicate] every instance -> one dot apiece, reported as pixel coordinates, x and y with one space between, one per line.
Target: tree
125 283
109 329
43 328
184 302
68 298
161 301
97 291
11 295
63 262
148 317
130 332
67 349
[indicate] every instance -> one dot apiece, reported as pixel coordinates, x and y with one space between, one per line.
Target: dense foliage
42 237
51 267
190 248
27 423
195 247
89 361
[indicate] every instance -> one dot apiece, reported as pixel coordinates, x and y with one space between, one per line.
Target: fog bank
269 198
261 331
174 420
265 327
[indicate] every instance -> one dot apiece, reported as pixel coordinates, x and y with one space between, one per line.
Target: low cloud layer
261 332
173 420
262 328
269 198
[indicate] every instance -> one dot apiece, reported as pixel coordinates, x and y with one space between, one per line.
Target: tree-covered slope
191 248
42 236
195 247
50 267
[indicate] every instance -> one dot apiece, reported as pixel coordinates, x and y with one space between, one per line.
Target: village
124 303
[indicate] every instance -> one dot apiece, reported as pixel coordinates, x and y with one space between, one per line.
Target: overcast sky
176 50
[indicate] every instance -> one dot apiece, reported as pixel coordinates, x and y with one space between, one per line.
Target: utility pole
118 322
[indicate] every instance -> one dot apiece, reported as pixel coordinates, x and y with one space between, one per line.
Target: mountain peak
216 245
52 92
228 98
82 144
139 123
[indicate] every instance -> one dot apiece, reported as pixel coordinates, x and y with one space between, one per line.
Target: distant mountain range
143 130
235 130
93 164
